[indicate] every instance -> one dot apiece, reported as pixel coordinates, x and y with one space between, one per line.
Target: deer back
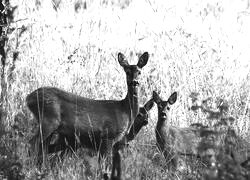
68 113
183 140
76 113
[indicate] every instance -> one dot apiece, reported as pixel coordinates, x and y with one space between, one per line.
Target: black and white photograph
125 90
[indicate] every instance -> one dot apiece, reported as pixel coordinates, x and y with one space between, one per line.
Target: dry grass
198 46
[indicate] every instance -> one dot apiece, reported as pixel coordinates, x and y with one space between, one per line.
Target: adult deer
95 123
173 141
140 121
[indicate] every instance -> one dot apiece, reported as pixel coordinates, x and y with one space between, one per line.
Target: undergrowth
198 49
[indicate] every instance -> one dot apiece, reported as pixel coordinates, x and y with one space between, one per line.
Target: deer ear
156 97
149 104
122 61
143 59
172 99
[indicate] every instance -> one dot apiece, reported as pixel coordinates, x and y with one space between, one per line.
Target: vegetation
198 48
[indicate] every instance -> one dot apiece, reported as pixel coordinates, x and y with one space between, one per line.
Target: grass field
197 46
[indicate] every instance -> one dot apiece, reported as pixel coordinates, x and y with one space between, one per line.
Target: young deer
173 141
140 121
95 123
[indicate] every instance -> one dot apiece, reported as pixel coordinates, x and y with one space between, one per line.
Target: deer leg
35 144
46 129
42 151
116 164
59 145
105 147
104 153
174 163
171 159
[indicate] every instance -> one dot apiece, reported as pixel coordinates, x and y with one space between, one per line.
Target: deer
96 124
140 121
174 141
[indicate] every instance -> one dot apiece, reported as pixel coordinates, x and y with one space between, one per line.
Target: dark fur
140 121
96 123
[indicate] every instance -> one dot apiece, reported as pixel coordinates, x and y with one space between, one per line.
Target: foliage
220 146
194 46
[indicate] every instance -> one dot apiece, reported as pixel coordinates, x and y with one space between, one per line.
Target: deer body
69 114
96 122
183 141
174 141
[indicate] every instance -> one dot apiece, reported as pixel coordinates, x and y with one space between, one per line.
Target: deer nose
163 114
134 83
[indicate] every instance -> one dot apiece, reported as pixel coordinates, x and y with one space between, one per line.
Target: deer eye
168 108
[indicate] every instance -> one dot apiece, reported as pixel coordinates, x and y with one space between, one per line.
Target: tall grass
198 46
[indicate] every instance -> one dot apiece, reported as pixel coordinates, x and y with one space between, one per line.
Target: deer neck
132 98
162 120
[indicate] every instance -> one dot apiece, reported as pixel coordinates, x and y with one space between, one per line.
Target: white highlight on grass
192 44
